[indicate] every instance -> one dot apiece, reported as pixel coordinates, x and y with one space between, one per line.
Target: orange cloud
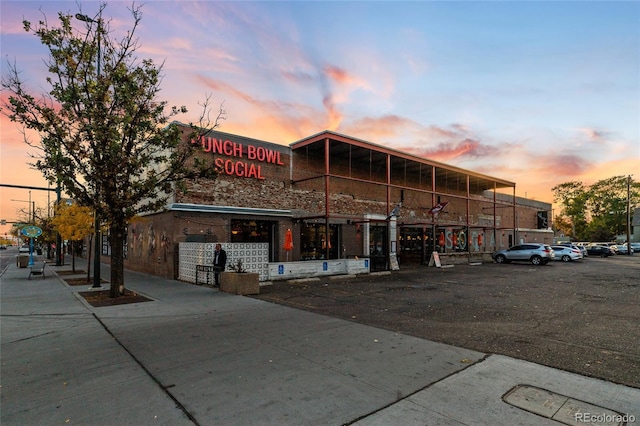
334 116
337 74
341 76
378 129
291 113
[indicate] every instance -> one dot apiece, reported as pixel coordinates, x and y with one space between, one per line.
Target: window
314 241
251 231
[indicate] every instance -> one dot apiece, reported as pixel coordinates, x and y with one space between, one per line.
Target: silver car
566 254
580 247
536 253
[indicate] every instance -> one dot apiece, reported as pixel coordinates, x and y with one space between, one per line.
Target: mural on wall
137 234
152 240
165 245
145 239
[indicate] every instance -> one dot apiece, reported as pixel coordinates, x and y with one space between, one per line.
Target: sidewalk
195 355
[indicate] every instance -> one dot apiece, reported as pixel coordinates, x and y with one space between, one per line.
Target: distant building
635 229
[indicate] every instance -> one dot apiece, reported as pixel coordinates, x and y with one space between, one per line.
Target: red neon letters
237 150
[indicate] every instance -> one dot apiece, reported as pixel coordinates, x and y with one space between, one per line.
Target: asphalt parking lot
582 316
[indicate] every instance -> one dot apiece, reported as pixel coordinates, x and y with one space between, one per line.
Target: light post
96 227
29 220
85 18
629 215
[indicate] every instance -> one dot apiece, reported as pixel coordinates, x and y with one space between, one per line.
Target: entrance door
378 248
412 245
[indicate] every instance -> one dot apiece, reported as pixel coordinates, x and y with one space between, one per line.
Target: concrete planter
240 283
22 260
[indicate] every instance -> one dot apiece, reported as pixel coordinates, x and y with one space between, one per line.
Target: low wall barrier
317 268
255 258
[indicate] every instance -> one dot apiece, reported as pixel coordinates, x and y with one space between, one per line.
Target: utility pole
629 215
96 228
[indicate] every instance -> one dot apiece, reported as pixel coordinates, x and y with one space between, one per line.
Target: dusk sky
536 92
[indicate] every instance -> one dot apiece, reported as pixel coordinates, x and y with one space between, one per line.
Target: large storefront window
478 241
452 239
314 241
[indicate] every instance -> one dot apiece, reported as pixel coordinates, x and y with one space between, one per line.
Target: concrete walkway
195 355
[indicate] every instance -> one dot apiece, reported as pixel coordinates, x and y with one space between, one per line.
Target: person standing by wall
219 263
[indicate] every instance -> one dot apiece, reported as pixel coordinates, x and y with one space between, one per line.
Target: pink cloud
569 165
341 76
448 151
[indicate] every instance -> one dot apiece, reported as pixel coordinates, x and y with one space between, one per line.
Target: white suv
536 253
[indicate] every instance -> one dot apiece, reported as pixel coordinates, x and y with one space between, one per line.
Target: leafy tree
563 225
573 197
598 212
40 218
607 200
73 222
48 236
598 230
104 135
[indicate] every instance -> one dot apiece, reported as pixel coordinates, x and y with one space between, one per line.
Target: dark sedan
602 251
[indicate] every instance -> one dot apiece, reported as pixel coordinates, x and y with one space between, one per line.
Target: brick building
341 197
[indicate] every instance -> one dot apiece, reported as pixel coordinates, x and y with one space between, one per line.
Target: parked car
566 253
622 249
536 253
598 250
635 247
24 248
579 247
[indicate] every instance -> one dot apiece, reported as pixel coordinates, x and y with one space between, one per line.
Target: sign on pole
32 232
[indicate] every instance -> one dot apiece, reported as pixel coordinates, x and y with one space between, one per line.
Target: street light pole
85 18
96 227
629 215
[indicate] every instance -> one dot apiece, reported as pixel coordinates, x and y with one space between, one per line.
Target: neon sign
236 166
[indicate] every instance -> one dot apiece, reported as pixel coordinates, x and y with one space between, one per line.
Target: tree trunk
89 258
73 256
116 240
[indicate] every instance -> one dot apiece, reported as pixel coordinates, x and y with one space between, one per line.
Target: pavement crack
149 373
32 337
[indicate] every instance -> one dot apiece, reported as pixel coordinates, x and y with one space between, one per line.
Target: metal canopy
357 152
